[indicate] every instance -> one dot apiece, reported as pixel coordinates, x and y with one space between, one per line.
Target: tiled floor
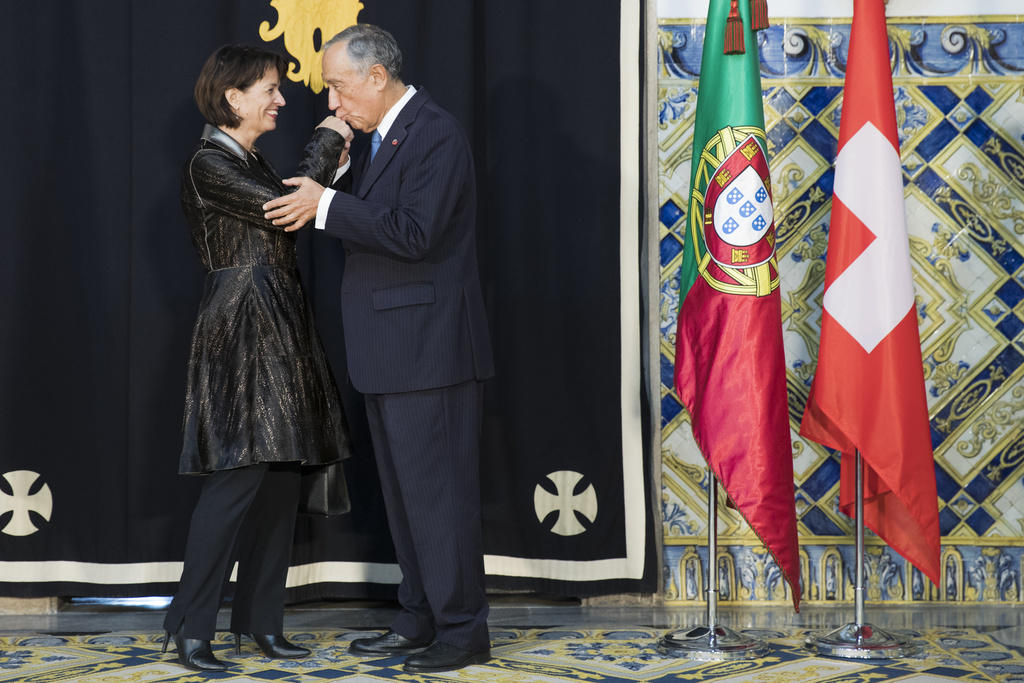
532 641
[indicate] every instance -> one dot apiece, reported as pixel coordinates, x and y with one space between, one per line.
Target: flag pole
861 640
711 641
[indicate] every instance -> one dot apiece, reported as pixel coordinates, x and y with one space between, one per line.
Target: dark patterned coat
259 386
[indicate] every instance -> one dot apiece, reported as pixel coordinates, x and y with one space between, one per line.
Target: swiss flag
868 392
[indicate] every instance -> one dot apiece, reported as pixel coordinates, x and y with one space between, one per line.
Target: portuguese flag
730 370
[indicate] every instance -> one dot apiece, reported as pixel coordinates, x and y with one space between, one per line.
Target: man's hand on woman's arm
296 209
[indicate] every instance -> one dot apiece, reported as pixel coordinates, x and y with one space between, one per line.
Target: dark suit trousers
246 514
428 455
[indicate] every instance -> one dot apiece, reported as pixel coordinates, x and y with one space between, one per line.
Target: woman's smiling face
258 104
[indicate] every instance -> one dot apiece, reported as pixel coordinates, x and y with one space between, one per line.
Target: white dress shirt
382 128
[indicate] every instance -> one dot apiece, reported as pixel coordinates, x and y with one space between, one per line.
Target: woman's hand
337 125
343 129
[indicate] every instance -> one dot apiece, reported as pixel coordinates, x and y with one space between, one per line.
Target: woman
261 400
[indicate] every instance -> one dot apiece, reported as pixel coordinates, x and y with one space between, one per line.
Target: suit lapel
389 145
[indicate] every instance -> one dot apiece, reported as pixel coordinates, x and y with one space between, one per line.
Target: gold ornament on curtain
300 22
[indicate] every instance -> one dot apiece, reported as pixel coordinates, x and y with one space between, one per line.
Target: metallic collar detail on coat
225 141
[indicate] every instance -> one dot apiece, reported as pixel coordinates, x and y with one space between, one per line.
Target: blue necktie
374 144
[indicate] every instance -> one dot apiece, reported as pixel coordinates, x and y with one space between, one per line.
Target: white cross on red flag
868 392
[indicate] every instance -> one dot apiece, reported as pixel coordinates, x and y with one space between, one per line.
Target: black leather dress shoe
194 654
273 646
444 657
390 644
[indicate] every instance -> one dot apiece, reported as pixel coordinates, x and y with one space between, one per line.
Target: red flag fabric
730 369
868 392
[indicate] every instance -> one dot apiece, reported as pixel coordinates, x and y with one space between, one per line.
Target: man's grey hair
368 45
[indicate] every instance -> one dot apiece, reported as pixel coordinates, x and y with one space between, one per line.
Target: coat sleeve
434 183
221 185
320 157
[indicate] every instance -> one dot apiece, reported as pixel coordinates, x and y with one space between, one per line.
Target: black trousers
246 514
427 445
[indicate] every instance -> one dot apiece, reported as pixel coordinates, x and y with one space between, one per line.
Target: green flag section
730 369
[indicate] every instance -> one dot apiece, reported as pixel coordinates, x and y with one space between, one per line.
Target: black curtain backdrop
100 284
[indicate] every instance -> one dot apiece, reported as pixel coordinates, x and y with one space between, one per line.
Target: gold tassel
734 31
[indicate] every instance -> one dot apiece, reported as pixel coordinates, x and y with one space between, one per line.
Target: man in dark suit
415 335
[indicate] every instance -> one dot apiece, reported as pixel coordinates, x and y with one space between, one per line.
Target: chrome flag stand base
860 640
701 643
863 641
711 642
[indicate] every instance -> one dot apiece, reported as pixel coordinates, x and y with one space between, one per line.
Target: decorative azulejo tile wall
959 91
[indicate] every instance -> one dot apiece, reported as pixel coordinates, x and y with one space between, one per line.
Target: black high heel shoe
193 653
275 647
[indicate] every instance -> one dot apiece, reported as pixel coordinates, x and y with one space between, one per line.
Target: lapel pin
394 142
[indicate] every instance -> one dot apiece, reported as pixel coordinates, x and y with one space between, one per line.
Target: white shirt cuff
322 207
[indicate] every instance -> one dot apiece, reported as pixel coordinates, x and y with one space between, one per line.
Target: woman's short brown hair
232 66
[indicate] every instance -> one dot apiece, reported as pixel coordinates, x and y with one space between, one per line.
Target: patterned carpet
520 655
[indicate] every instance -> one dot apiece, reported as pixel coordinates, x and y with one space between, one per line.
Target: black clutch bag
324 491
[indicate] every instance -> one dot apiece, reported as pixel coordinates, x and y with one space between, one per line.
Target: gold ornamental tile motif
619 652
